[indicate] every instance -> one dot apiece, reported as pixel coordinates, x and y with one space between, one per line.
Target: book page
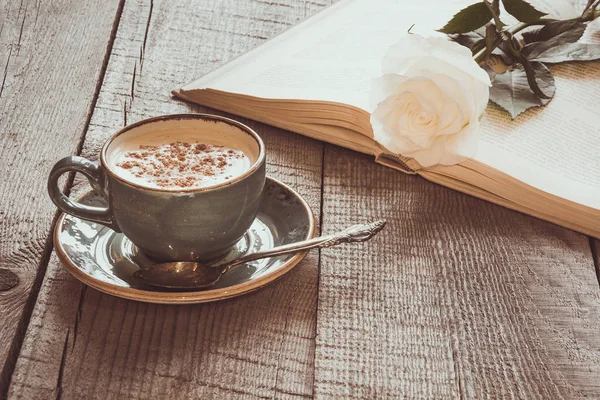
555 148
332 56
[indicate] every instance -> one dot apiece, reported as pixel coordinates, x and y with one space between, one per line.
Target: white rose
429 101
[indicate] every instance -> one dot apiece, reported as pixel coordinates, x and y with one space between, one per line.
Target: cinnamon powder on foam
180 164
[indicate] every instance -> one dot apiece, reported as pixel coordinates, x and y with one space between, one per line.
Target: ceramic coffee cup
172 224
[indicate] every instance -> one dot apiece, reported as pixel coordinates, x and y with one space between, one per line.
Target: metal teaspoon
195 275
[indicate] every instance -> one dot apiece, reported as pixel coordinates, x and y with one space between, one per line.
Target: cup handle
94 173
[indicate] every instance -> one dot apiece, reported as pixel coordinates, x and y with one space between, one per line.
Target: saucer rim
192 297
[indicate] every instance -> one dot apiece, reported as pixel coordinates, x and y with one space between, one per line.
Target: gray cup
172 224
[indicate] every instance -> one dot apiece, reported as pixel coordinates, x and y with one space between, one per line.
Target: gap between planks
595 256
324 149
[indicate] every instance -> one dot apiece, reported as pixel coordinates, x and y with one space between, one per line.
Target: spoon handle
356 233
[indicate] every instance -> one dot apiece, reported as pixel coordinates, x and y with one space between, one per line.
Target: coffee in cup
180 187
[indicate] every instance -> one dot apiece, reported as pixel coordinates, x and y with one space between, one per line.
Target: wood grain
81 343
51 56
456 298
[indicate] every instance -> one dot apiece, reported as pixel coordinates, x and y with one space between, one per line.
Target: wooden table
459 298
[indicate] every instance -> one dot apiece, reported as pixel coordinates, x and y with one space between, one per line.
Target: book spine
395 162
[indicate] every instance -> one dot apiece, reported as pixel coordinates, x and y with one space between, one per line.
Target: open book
315 78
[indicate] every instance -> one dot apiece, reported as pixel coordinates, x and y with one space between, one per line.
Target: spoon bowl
180 275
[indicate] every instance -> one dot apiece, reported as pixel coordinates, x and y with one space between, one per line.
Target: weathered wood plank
51 58
457 297
86 344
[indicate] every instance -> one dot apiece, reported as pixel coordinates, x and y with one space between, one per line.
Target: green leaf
472 40
468 39
511 90
522 10
468 19
570 31
561 52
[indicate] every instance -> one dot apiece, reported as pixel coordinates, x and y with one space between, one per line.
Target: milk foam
181 165
190 159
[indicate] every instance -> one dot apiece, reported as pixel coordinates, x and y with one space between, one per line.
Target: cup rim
194 116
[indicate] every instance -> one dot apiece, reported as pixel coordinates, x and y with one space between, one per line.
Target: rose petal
383 87
386 114
427 67
454 96
471 96
462 145
385 129
395 144
482 97
435 52
401 55
451 119
403 122
428 157
458 56
427 92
